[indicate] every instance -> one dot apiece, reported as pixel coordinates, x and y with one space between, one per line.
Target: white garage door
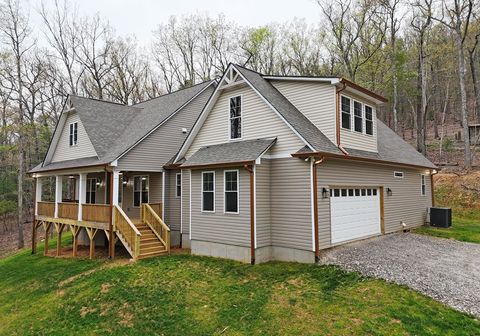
355 213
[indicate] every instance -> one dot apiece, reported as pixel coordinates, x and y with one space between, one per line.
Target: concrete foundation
100 238
174 238
186 243
240 253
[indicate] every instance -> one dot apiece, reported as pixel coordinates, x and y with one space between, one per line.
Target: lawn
188 295
465 227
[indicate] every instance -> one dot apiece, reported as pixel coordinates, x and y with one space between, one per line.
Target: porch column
82 193
115 186
38 193
58 192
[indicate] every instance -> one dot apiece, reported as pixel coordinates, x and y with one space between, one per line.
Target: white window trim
225 192
398 172
214 192
362 116
94 179
133 190
241 118
341 113
423 182
365 119
70 130
178 185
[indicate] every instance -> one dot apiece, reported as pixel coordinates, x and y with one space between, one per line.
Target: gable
84 147
258 121
153 152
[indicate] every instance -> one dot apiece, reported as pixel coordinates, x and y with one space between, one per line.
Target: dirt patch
84 311
105 288
458 189
126 318
9 239
75 277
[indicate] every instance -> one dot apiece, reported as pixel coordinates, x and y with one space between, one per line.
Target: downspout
252 214
315 206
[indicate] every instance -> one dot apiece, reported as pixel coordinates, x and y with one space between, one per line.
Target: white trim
57 133
229 136
70 131
214 193
373 119
398 172
181 203
164 121
163 195
177 185
87 189
341 112
225 192
423 183
190 206
312 199
133 190
255 206
309 79
362 119
208 107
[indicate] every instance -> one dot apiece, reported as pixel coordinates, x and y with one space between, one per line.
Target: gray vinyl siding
84 147
155 192
172 202
162 144
263 206
356 140
185 201
405 205
315 100
218 227
291 213
258 121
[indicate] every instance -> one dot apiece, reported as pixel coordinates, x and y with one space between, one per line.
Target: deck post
75 231
46 226
58 193
59 227
35 212
82 194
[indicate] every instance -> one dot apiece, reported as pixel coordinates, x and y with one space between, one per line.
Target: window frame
398 172
230 118
73 134
372 120
178 186
423 185
213 191
350 113
225 191
354 116
133 190
88 191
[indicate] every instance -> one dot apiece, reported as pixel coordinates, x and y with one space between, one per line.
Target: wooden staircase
143 238
150 245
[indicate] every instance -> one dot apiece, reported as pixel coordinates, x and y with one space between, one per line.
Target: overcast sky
140 17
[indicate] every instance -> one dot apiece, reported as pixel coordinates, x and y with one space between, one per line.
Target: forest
423 55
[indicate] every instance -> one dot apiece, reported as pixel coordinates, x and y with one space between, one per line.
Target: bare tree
15 32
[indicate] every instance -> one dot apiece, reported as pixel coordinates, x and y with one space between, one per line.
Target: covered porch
101 206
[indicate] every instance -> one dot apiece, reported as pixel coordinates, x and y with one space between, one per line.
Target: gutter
249 169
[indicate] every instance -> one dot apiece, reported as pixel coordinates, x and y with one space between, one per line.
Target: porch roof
240 152
69 164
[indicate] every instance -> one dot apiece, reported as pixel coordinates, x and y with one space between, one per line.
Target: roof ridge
101 100
169 93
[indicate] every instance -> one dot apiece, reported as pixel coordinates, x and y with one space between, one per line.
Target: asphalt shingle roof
230 152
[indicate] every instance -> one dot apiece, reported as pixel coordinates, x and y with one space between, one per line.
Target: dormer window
73 135
236 117
346 114
358 116
368 120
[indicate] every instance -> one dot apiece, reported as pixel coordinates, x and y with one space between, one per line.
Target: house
474 134
252 168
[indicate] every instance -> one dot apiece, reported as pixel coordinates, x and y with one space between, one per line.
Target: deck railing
68 210
161 230
128 231
46 209
96 213
157 207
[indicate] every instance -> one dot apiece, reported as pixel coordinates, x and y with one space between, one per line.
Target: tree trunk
473 70
394 78
421 97
463 95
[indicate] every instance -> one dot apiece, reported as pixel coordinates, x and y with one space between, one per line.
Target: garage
355 213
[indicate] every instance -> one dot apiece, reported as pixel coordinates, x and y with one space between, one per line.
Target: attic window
346 116
236 117
73 135
368 120
398 174
358 118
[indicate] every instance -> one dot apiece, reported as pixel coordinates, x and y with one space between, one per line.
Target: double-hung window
423 185
140 190
231 191
236 117
73 134
91 190
368 120
346 113
178 185
358 116
208 191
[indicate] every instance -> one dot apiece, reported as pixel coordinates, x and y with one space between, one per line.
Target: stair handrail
156 224
129 232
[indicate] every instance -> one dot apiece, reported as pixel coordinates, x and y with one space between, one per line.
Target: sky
141 17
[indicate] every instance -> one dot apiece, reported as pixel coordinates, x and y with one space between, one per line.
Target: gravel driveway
444 269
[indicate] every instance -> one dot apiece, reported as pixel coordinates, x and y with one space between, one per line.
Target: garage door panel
354 216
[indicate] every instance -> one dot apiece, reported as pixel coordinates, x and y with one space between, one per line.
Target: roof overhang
361 91
331 80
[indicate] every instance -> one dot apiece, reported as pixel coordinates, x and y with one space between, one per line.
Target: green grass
188 295
465 227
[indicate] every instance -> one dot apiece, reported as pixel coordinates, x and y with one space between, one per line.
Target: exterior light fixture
71 177
325 193
389 192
